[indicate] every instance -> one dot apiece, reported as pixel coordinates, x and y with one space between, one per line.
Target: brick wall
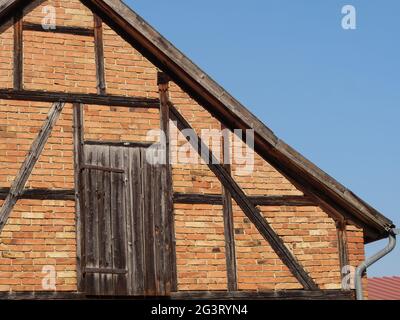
43 232
356 251
6 55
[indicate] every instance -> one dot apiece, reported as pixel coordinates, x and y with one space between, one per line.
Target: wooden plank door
104 237
125 238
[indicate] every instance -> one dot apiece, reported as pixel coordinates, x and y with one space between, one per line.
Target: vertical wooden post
18 51
169 224
99 54
230 252
342 246
78 163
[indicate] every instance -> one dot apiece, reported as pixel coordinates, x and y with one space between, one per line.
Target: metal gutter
370 261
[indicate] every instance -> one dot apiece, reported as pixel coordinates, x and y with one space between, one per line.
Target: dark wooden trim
41 295
216 199
105 270
42 194
29 163
162 79
245 204
179 198
290 201
78 127
95 99
100 168
99 54
190 295
77 31
342 246
193 198
129 144
170 268
18 51
229 232
266 295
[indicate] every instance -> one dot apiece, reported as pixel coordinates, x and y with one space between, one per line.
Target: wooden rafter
245 204
29 163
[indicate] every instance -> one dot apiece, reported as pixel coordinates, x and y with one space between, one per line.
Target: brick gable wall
43 232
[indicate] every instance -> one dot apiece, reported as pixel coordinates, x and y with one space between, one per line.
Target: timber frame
319 189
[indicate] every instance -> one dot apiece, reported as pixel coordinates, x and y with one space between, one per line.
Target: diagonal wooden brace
25 171
245 204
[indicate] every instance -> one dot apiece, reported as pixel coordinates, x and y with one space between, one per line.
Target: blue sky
332 94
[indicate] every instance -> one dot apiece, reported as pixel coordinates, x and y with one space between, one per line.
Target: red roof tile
386 288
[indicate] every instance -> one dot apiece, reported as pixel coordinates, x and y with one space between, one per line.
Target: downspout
368 262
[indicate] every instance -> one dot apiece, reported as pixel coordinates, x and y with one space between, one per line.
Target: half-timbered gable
83 87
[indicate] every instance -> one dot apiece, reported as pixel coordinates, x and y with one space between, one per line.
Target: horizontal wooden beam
265 295
216 199
41 295
183 198
105 270
94 99
42 194
130 144
193 295
78 31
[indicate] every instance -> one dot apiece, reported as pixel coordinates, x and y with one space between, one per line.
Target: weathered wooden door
124 240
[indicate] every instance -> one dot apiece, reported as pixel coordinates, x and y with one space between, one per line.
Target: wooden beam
129 144
99 54
227 209
216 199
77 31
94 99
290 201
265 295
29 163
78 127
166 184
246 205
42 194
342 248
179 198
191 295
18 51
41 295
